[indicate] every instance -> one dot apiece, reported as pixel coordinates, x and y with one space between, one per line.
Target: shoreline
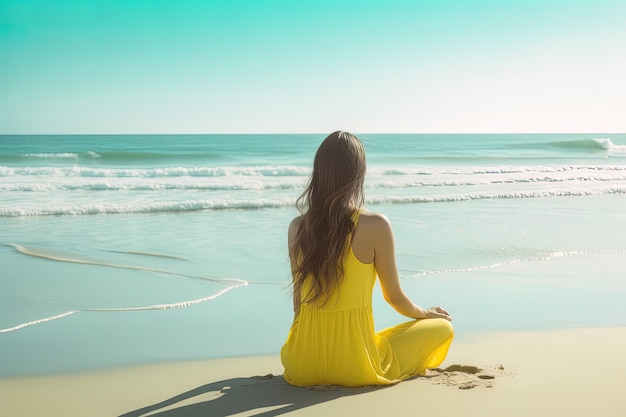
572 372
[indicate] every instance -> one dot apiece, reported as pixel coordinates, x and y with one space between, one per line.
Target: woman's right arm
381 237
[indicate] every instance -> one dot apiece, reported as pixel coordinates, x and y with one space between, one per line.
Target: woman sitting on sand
337 249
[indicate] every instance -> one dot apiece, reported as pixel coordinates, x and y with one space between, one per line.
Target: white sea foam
169 306
124 207
39 321
281 178
81 171
284 171
607 143
122 184
538 258
144 207
477 170
409 199
62 155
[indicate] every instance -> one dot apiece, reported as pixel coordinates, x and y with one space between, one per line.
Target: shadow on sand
256 396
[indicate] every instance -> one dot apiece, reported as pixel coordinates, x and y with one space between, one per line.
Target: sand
577 372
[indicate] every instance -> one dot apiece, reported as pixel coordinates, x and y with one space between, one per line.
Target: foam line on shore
37 253
231 282
39 321
547 257
169 306
156 255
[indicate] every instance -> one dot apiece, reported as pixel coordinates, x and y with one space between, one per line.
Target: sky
299 66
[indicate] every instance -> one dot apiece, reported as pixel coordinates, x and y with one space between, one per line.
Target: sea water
126 249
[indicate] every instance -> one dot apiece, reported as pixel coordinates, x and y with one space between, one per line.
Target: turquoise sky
138 66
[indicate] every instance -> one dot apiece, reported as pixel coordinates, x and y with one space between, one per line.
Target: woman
337 250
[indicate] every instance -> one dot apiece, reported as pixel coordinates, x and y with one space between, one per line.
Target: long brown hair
334 192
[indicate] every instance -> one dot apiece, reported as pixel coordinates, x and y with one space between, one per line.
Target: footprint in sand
466 376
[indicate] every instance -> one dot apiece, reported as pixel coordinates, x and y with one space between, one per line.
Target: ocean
129 249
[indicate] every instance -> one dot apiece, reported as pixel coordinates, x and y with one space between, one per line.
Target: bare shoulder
294 226
374 222
373 218
373 237
295 222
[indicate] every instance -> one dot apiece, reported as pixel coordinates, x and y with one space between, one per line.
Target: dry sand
579 372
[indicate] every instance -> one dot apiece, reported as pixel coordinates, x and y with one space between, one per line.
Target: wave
295 184
509 179
489 196
380 178
280 171
146 207
114 157
78 171
607 143
582 145
382 171
298 184
62 155
52 155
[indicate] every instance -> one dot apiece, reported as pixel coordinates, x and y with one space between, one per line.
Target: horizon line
310 133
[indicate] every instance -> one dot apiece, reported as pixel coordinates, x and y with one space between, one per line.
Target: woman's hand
438 313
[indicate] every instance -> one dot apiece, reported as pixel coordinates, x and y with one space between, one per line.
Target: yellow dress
335 343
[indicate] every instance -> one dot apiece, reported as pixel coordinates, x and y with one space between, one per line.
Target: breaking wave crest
145 207
607 144
82 171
